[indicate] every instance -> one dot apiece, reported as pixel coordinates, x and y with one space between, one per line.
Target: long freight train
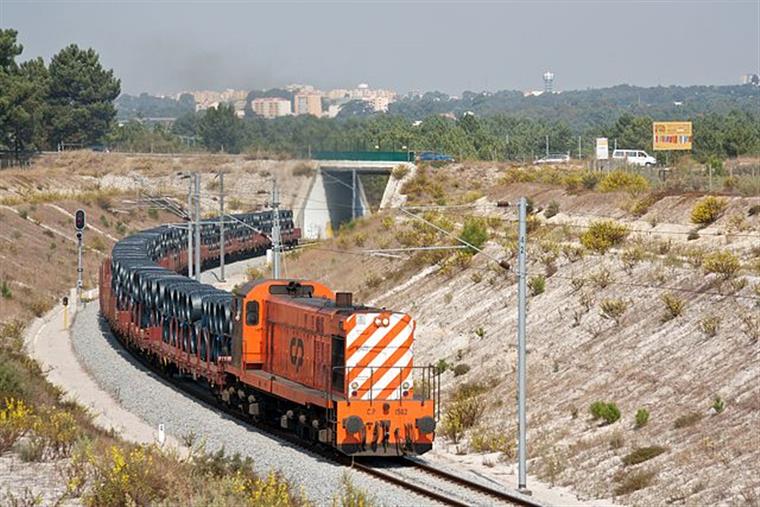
291 352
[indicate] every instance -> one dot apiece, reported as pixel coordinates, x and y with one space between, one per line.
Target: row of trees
70 101
496 137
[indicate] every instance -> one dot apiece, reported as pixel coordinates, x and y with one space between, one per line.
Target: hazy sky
169 46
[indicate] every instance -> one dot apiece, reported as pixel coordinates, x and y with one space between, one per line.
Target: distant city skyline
165 47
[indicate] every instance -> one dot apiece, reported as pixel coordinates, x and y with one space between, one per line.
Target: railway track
412 474
442 486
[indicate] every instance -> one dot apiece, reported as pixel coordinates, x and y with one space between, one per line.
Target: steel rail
506 496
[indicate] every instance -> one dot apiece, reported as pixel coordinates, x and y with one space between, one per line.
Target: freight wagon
289 352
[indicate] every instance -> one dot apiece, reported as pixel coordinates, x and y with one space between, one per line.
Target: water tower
548 82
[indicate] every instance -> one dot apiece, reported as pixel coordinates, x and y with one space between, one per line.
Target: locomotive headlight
378 322
354 385
406 385
386 321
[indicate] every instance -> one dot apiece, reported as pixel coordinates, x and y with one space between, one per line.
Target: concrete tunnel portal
341 192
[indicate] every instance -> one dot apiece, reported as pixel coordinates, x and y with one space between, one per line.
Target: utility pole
275 232
521 351
221 226
190 230
547 146
579 148
353 194
197 178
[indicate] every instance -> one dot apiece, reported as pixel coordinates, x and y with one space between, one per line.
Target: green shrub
622 181
613 309
480 332
687 420
399 172
537 285
373 281
5 290
642 417
153 213
723 263
606 411
97 243
39 306
471 196
493 441
234 204
441 366
709 325
634 481
673 306
603 235
353 496
641 206
707 210
632 256
461 369
463 410
643 454
552 209
718 405
475 232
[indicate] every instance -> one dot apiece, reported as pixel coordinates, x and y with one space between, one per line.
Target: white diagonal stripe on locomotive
385 354
355 354
376 389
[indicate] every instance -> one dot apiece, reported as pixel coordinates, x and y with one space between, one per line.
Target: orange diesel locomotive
290 352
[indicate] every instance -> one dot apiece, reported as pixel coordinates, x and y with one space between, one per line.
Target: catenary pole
197 177
275 232
521 352
221 225
190 230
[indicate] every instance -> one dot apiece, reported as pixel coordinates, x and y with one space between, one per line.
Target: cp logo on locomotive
296 352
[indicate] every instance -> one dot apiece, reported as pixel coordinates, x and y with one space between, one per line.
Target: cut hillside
663 319
37 204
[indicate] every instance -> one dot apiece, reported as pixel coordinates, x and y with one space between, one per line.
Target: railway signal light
65 301
79 220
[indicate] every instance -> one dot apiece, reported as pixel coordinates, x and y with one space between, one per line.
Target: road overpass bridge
343 190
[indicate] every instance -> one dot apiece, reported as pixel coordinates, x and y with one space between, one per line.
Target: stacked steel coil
192 315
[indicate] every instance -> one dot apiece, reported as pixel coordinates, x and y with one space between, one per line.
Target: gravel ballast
143 393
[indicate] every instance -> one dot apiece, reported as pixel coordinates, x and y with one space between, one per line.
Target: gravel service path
143 393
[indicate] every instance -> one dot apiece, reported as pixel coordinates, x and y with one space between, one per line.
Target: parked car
431 156
554 158
634 157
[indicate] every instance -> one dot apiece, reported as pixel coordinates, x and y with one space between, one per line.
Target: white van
634 157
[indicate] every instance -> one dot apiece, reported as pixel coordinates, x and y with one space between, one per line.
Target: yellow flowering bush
15 421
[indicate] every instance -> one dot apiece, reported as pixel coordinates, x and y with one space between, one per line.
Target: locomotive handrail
430 386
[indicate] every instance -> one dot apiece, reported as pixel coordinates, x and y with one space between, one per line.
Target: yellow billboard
671 135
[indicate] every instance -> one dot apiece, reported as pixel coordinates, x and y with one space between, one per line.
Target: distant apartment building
271 107
308 103
379 103
205 99
752 79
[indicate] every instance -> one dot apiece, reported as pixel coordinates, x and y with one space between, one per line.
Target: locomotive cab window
252 313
